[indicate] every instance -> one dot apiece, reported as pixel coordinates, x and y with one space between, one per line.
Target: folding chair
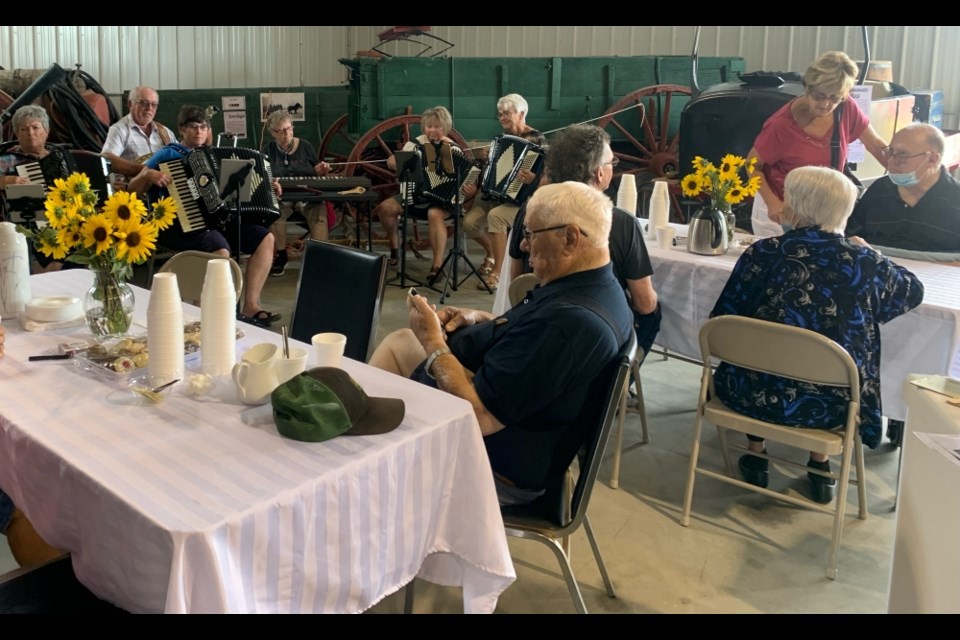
191 269
798 354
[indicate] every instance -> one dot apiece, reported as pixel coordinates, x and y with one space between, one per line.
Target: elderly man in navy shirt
527 373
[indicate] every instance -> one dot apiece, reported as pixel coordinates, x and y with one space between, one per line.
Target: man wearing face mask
917 206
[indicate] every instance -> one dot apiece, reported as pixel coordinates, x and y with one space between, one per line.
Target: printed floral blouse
820 281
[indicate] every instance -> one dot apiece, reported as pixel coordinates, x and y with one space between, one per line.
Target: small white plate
53 309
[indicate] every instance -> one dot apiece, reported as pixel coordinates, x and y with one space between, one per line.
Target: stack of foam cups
165 330
627 193
218 319
659 209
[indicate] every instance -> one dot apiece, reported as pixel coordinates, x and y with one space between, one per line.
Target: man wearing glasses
917 208
136 136
527 373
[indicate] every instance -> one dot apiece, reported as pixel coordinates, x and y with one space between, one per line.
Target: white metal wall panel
196 57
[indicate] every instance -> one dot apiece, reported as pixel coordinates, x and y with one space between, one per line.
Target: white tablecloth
925 340
925 572
200 506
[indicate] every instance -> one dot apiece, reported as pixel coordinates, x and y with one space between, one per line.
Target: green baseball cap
326 402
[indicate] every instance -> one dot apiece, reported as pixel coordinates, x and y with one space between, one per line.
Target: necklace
820 144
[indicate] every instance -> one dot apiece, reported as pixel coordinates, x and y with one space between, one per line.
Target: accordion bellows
508 156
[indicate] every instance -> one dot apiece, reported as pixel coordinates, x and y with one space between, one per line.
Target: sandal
490 282
262 318
487 267
436 273
394 258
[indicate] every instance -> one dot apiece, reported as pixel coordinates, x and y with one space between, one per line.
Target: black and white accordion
196 187
508 156
445 169
60 163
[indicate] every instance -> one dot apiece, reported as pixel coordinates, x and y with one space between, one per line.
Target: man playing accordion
489 220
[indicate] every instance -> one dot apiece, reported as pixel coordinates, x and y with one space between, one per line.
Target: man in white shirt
136 136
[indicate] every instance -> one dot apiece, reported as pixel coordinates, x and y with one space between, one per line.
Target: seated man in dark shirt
582 153
527 373
916 207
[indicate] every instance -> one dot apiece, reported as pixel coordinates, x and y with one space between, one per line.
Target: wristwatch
433 356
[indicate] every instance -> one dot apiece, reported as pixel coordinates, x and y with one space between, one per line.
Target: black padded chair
49 588
340 290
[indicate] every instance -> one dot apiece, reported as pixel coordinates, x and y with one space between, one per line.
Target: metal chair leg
408 597
596 554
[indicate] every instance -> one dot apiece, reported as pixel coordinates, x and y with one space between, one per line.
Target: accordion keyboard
32 172
193 188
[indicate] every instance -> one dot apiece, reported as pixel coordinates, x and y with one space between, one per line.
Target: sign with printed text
235 123
234 103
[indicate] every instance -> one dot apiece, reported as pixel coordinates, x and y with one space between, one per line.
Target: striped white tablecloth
925 340
200 506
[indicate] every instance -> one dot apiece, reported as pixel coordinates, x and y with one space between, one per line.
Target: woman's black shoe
822 489
755 470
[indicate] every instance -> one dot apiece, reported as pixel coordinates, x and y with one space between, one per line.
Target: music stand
456 251
408 171
236 181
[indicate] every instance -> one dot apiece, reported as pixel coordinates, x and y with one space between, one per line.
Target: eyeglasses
146 104
613 161
528 234
900 157
197 126
822 97
285 129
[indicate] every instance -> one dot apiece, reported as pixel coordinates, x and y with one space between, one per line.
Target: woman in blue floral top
812 277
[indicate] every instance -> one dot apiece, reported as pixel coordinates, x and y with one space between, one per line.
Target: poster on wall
292 103
235 124
234 103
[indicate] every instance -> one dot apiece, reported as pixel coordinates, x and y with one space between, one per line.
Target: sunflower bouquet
726 185
110 240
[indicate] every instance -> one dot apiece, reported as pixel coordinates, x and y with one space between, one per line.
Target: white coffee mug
286 368
328 348
665 235
255 375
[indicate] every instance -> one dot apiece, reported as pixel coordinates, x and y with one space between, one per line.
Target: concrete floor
742 553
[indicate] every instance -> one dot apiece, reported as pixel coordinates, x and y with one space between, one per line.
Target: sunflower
164 212
97 233
69 235
78 184
692 185
753 186
59 193
136 241
124 206
58 213
736 194
47 244
752 165
700 163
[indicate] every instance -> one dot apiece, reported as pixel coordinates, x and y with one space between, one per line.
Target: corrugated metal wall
119 57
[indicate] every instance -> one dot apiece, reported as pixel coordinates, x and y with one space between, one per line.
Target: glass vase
108 305
731 225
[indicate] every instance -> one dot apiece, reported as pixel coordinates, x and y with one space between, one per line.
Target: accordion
508 156
60 163
444 169
195 185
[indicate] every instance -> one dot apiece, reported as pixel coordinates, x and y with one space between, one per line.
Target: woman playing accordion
440 162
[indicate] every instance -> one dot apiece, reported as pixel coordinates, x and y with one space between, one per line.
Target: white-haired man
528 373
136 136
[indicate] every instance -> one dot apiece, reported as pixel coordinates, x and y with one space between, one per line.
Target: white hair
577 204
819 196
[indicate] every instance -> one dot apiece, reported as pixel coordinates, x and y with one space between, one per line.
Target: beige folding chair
794 353
191 269
641 409
520 287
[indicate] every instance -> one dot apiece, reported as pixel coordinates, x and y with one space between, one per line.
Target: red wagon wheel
642 139
336 133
